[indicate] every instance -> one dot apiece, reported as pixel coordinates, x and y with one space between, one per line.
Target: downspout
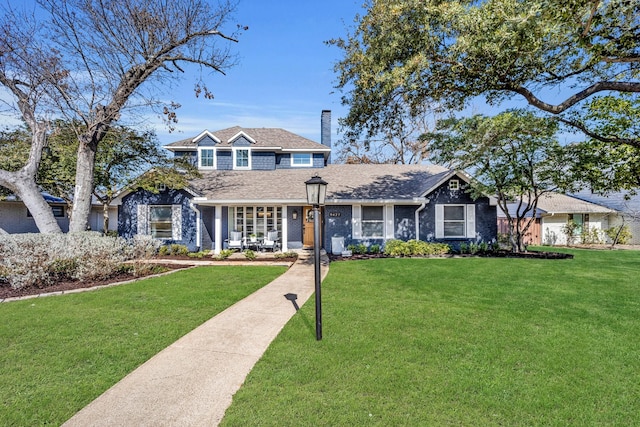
420 209
198 220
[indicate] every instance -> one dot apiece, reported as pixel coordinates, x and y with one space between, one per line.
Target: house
627 207
253 181
16 218
554 210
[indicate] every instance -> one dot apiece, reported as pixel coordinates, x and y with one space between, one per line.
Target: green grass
472 341
59 353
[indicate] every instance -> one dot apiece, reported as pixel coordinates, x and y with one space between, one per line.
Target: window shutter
471 221
356 222
439 221
388 219
176 222
143 220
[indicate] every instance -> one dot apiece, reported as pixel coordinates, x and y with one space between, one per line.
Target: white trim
285 228
217 229
235 158
176 222
469 221
206 133
356 222
439 221
239 134
300 165
389 228
314 150
470 217
215 158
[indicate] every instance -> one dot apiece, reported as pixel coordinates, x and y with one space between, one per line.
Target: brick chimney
325 131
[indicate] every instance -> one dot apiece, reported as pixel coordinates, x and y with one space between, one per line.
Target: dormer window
301 160
241 158
207 158
454 185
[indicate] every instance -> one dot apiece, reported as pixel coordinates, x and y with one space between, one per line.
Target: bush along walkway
193 380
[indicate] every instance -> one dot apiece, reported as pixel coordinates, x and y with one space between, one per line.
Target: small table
254 244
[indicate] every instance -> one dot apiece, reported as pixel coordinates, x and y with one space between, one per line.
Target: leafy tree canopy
514 155
557 54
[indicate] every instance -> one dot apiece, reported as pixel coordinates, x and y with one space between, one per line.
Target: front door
307 227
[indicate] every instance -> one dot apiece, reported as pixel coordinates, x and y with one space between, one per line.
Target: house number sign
335 214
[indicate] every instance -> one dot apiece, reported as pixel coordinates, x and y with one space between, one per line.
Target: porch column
217 230
285 228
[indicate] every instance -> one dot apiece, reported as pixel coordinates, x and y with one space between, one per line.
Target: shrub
569 230
41 259
591 235
250 255
358 249
398 248
622 233
224 254
288 254
374 249
179 249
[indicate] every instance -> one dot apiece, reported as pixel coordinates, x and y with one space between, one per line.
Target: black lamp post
316 193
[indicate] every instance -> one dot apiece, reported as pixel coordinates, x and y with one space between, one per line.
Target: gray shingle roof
561 203
556 203
263 137
345 182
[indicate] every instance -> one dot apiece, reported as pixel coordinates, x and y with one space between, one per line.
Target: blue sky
285 75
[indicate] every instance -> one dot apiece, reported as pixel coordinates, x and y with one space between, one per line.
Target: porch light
316 193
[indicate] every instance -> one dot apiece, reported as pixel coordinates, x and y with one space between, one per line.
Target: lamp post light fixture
316 194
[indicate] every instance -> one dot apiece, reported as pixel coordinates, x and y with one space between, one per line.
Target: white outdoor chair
271 241
235 241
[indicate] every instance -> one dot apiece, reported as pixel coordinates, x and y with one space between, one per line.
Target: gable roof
562 203
557 203
259 137
347 183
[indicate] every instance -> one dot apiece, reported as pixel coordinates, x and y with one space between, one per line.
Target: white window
160 221
207 158
256 220
241 158
372 222
455 221
454 184
301 159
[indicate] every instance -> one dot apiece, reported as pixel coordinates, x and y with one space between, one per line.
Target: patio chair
271 241
235 241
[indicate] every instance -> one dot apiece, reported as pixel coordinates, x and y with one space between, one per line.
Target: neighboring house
554 211
253 181
16 218
627 209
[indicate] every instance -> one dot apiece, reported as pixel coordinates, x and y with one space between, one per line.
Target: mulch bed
499 254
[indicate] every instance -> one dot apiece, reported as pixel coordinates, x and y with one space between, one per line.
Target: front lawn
471 341
59 353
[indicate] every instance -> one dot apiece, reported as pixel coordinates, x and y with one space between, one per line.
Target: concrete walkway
192 382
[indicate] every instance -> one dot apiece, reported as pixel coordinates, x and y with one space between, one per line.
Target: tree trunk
27 190
105 218
23 182
84 187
